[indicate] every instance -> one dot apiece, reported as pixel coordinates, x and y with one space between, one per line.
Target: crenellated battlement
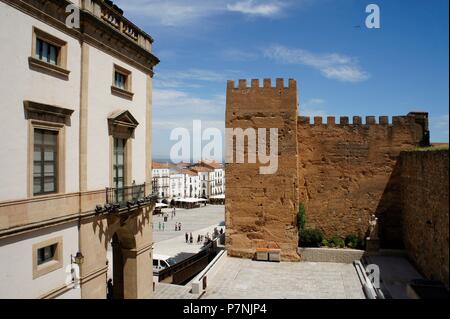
242 84
403 120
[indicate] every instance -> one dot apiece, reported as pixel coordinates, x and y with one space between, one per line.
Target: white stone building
177 185
161 179
76 119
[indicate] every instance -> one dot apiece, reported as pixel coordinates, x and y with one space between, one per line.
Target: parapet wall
261 210
424 196
349 171
343 172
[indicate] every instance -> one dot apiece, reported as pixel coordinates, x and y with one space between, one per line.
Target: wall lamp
78 259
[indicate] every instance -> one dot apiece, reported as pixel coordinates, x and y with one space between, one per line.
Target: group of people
165 216
203 238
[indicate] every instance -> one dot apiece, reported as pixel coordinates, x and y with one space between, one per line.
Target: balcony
126 199
113 16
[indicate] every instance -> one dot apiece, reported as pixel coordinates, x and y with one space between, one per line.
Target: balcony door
119 165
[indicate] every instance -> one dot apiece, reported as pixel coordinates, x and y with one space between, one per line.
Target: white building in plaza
161 179
185 180
177 185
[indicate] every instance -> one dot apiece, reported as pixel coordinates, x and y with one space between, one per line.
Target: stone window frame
126 93
61 155
48 267
128 158
60 69
122 125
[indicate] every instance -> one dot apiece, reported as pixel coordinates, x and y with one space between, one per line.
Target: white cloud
313 107
256 8
439 127
190 78
186 103
239 55
182 12
331 65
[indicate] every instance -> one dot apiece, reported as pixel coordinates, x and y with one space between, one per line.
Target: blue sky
342 68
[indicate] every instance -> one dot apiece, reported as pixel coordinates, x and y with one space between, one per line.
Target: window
46 52
45 162
119 168
49 54
46 254
120 80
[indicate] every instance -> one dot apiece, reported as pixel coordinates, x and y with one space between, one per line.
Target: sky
342 68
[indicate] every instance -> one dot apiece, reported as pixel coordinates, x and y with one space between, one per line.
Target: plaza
248 279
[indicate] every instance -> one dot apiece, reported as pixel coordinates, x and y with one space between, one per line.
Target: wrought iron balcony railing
129 197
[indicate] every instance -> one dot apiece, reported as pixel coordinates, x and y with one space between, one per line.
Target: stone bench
268 254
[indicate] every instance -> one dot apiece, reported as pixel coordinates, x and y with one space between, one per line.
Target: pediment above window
47 113
122 124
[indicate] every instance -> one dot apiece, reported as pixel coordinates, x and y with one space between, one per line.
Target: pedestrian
110 289
199 239
191 239
159 226
187 238
164 226
179 226
176 226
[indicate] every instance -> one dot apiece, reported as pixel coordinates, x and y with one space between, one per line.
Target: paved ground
167 291
247 279
200 221
395 274
191 220
178 248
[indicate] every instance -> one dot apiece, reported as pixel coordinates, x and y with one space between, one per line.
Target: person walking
179 226
159 226
191 239
110 289
187 238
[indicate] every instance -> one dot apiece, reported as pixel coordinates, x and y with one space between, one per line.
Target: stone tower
261 209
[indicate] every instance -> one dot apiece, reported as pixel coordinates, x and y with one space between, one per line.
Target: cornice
93 30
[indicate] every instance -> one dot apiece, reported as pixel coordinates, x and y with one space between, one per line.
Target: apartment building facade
200 180
161 179
75 163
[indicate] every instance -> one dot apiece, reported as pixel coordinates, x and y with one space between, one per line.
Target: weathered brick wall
260 210
349 171
425 211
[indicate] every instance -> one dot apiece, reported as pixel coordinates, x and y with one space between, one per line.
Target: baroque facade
75 173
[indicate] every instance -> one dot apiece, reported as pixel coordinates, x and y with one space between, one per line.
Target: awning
190 200
218 197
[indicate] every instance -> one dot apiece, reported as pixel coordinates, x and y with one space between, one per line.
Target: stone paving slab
247 279
191 220
168 291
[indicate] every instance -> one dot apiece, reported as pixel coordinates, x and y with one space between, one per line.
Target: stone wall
425 211
261 209
349 171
